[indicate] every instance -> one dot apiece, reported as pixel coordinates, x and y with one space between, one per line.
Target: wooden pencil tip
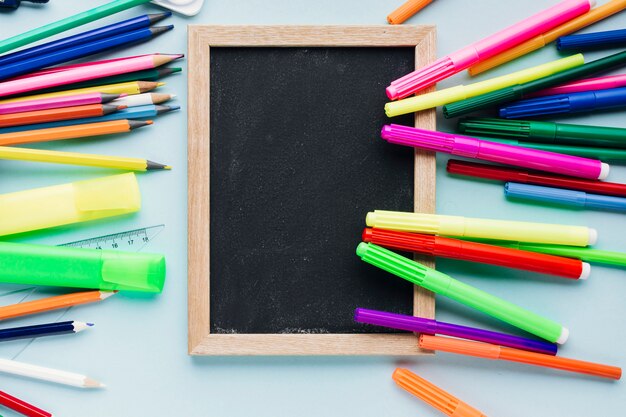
106 294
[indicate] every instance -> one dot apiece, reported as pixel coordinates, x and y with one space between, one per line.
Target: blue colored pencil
40 330
139 112
103 32
23 67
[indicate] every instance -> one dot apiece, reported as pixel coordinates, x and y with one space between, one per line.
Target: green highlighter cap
443 284
518 91
81 268
545 132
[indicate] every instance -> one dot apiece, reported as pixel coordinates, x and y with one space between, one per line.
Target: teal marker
443 284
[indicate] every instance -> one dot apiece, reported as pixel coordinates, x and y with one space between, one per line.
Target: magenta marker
429 326
590 84
469 147
488 47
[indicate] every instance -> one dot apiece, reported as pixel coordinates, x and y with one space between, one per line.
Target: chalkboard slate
296 161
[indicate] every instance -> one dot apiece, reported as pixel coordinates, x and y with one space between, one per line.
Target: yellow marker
462 92
130 88
434 224
75 202
594 15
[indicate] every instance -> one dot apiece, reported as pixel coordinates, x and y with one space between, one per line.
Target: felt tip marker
470 147
486 48
443 284
430 326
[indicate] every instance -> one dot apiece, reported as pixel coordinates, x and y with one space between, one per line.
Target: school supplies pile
542 161
45 96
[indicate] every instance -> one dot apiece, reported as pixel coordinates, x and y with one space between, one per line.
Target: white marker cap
593 236
564 336
586 271
604 171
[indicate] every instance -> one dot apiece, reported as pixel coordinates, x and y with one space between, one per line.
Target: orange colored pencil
407 10
433 395
52 303
486 350
71 132
54 115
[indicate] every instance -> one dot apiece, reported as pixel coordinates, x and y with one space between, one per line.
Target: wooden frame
201 39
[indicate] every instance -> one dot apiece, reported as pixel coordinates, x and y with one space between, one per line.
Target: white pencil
47 374
145 99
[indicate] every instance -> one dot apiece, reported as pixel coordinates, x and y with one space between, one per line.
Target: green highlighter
545 132
518 91
584 254
81 268
443 284
603 154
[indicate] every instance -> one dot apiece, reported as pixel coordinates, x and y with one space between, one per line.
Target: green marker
68 23
81 268
545 132
584 254
443 284
518 91
603 154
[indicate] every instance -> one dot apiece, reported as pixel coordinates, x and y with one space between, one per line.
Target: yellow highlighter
434 224
76 202
462 92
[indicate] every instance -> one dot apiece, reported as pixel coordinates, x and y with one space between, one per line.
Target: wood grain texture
201 39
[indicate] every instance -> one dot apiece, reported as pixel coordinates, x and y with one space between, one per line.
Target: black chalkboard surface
296 161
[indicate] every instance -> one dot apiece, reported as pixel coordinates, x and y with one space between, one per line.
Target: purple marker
429 326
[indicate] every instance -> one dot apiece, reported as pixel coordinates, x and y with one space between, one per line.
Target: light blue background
139 345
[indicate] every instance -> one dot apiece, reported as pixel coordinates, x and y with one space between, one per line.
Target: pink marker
488 47
590 84
58 102
496 152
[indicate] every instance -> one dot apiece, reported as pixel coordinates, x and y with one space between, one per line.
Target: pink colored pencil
84 73
590 84
83 64
58 102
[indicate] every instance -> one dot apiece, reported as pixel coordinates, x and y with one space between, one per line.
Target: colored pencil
131 113
62 68
52 303
47 374
145 99
62 113
46 60
489 351
117 28
41 330
22 406
19 86
68 23
82 159
145 75
71 132
57 102
130 88
406 10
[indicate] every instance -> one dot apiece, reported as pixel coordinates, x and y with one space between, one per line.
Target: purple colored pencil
429 326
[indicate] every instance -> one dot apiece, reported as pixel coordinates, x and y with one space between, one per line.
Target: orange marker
407 10
433 395
486 350
54 115
52 303
71 132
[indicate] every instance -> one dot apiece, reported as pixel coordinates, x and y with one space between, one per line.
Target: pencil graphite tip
157 30
105 98
109 108
151 166
136 124
157 17
164 109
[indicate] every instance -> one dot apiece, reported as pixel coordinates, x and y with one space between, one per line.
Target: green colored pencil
68 23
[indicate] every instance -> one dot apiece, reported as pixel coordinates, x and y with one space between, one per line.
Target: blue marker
124 26
597 40
566 103
139 112
565 197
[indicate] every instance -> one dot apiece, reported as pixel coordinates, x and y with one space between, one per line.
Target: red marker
506 174
478 252
21 407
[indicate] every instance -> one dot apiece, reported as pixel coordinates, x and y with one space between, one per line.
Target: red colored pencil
22 407
507 174
478 252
